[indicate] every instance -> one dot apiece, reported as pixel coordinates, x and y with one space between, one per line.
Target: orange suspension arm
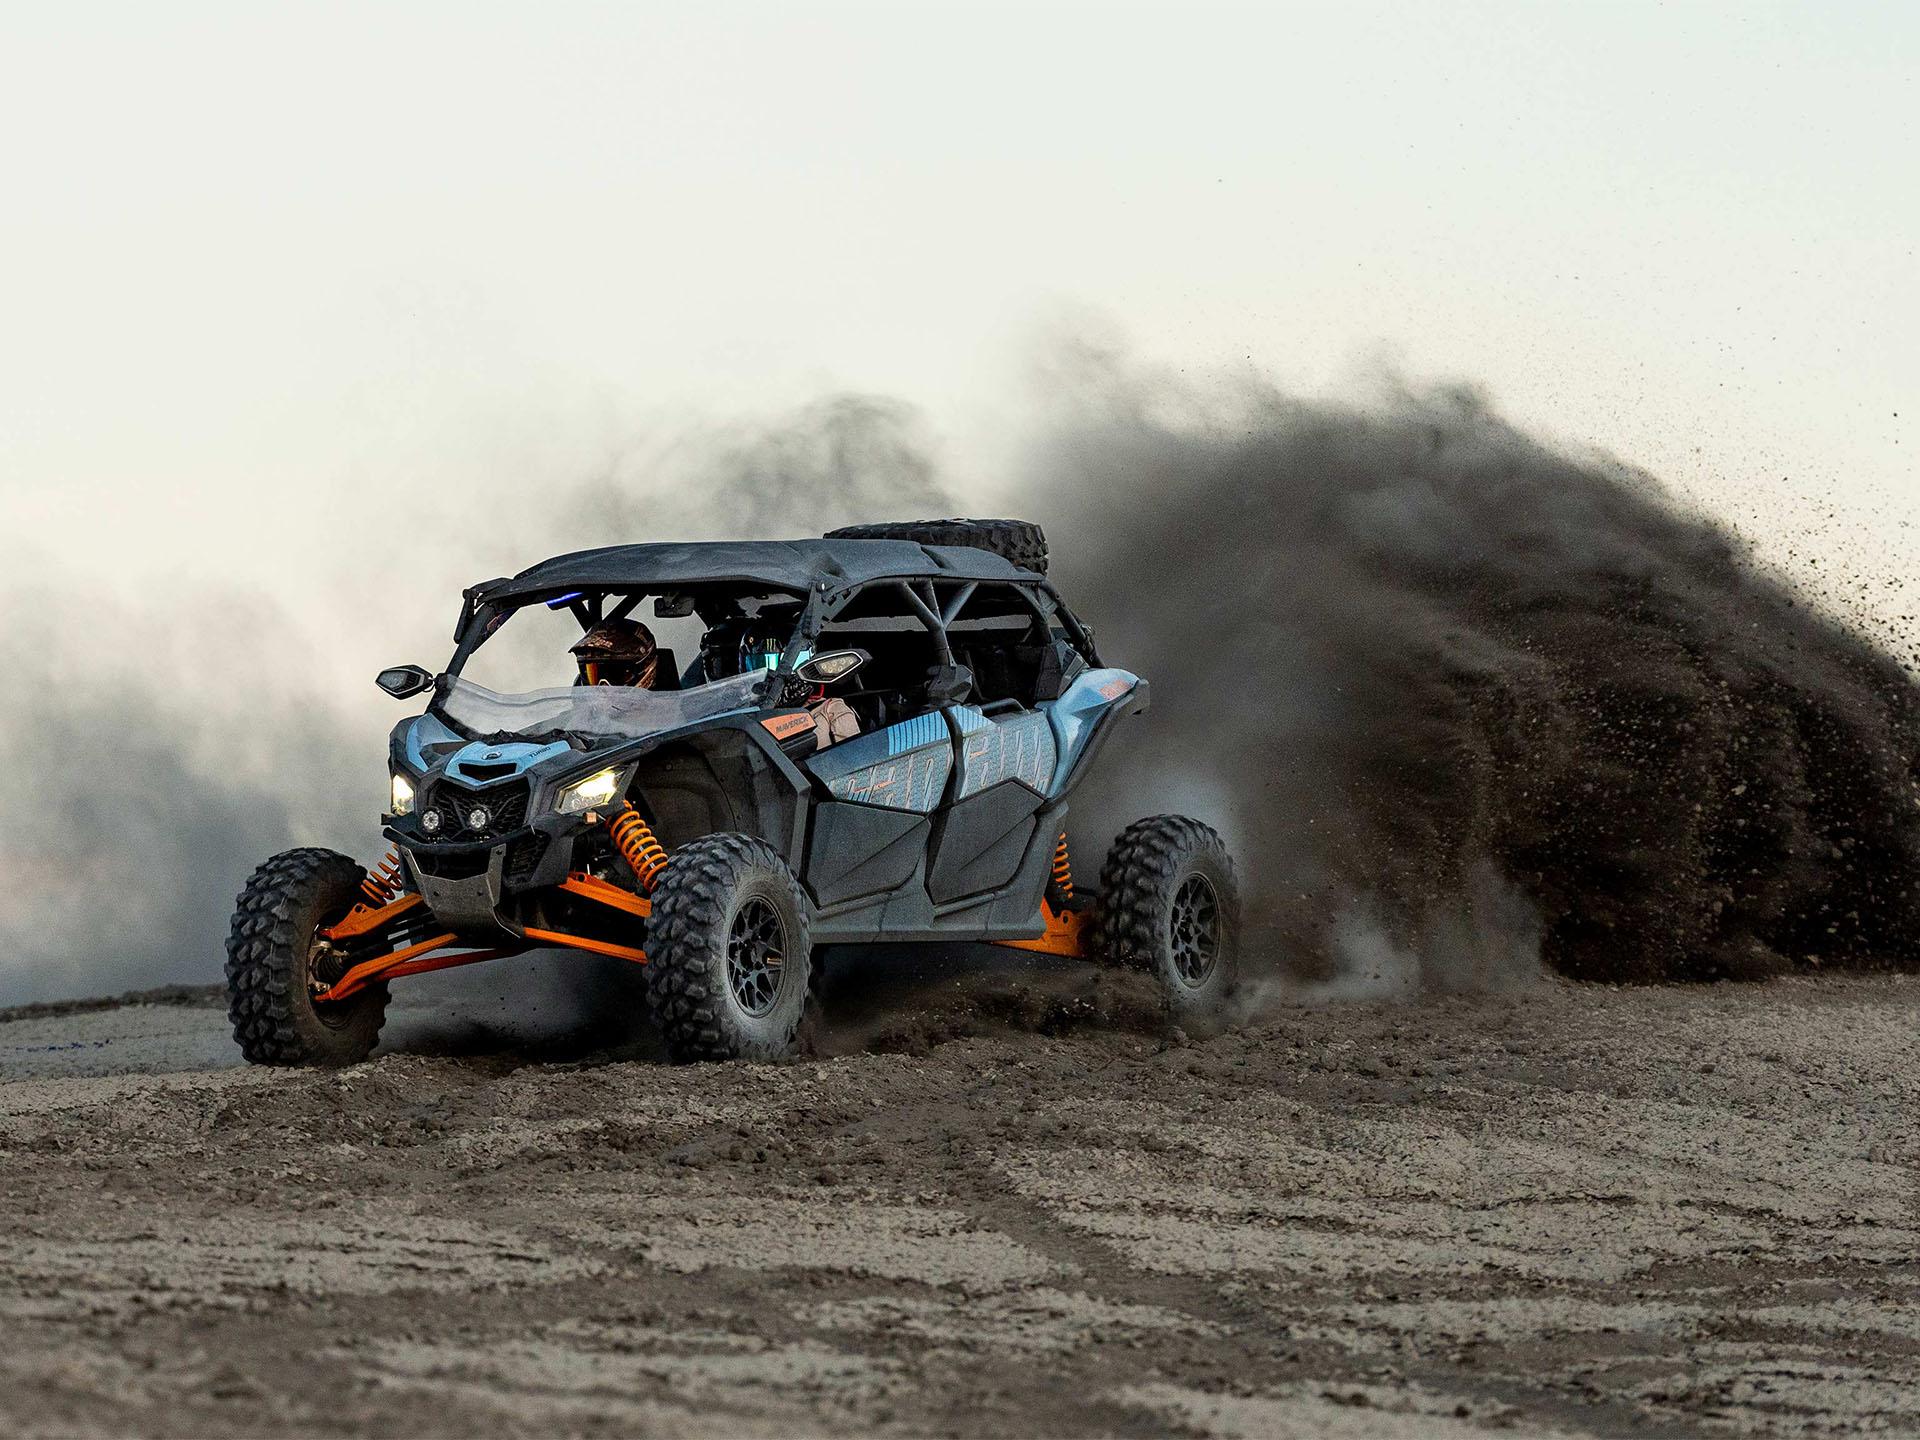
363 919
581 942
367 971
419 959
594 888
1066 934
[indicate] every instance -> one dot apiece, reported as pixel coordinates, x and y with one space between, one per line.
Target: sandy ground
1572 1211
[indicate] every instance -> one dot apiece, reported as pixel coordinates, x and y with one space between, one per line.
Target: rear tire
273 952
1170 905
1020 541
729 956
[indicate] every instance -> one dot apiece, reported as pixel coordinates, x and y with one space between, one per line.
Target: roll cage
937 601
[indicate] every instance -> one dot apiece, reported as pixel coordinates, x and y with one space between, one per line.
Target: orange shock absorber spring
635 841
382 882
1062 871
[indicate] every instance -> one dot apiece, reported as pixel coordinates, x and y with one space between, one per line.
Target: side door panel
862 850
1005 767
872 835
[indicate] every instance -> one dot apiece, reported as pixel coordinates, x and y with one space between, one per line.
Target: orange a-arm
441 952
1066 934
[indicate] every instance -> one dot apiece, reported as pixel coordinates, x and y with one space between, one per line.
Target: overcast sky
273 275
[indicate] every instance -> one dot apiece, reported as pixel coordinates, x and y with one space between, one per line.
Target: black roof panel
796 566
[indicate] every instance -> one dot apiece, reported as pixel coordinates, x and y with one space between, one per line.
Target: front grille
506 807
452 864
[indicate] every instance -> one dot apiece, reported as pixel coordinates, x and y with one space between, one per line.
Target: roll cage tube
1079 635
927 609
925 603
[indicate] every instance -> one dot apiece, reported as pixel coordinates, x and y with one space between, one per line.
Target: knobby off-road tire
1169 904
272 952
729 958
1020 541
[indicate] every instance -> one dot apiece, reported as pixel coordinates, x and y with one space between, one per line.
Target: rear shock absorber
383 882
1060 890
638 846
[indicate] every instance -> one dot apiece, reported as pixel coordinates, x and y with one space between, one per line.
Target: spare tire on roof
1020 541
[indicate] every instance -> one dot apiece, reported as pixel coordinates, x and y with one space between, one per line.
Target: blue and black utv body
714 828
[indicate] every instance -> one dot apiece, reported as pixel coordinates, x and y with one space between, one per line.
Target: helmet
617 652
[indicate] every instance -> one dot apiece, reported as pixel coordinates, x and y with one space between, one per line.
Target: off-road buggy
699 828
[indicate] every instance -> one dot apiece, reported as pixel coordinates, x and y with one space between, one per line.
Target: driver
618 652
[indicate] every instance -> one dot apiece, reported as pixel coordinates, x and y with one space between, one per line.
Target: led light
832 667
596 790
478 818
402 795
430 821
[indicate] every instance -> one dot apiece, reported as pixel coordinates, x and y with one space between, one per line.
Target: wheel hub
756 956
1195 917
326 961
326 964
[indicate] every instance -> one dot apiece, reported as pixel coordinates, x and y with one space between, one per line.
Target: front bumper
474 885
466 902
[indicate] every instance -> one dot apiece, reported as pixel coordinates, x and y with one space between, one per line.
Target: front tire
275 958
1170 904
728 951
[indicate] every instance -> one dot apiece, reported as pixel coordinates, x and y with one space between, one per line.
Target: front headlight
402 798
596 790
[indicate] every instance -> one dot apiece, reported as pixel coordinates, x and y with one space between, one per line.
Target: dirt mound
1410 647
197 995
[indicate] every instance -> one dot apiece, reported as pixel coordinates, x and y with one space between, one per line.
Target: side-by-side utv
714 824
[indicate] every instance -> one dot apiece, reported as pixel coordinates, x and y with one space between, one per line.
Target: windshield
617 712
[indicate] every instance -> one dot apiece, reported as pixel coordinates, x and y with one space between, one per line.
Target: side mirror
831 665
404 680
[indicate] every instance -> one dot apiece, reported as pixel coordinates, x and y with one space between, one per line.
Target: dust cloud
838 461
144 785
1475 699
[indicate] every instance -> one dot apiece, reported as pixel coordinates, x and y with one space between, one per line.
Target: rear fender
1083 720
